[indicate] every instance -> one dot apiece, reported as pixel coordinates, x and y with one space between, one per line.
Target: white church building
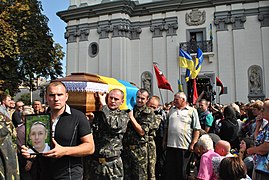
123 38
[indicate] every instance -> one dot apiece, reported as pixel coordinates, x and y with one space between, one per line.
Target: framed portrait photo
38 133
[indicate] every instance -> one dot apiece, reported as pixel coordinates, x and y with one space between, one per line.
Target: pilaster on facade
83 32
221 20
263 16
121 28
238 22
118 28
237 18
135 32
104 28
158 26
71 34
172 24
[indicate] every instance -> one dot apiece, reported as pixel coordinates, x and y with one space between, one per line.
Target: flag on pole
185 60
198 63
161 79
180 87
195 92
187 75
219 83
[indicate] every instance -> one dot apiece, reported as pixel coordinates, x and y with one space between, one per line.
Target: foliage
25 98
8 35
27 48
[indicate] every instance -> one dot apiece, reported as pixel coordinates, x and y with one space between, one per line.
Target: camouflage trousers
151 159
135 162
112 170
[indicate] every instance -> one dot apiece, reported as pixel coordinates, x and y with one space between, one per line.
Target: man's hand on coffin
102 97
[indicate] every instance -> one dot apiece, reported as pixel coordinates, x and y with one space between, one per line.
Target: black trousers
177 161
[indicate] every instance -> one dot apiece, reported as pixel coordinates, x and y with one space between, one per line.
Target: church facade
123 38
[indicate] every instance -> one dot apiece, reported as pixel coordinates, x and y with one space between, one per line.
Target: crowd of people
174 141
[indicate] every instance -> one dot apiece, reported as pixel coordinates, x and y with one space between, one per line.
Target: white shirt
46 149
181 126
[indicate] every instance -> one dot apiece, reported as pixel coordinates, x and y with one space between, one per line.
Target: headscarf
230 114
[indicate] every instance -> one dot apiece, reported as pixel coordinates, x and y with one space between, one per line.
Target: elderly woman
261 148
206 148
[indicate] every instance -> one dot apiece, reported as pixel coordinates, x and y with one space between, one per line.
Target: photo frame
38 133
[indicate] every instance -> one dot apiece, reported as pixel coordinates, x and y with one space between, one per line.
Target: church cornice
122 28
237 18
85 11
134 9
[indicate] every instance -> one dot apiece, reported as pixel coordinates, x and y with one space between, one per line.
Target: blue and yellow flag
187 75
185 60
198 63
180 87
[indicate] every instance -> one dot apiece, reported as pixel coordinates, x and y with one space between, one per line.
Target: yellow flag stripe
114 83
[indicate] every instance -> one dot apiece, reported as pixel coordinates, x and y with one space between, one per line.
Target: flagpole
179 72
161 96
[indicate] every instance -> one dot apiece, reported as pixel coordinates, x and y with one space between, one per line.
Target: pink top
206 169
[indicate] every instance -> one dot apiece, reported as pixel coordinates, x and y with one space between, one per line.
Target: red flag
161 79
195 93
219 83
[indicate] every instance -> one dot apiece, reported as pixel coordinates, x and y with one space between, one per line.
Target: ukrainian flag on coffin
128 89
83 82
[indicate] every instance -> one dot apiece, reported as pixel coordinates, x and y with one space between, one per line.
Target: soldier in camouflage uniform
153 103
135 141
109 126
9 168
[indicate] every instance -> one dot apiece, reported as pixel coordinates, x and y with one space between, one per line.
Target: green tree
31 52
8 35
25 98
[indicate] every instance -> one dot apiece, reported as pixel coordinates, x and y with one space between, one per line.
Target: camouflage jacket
9 125
9 168
154 125
108 130
144 116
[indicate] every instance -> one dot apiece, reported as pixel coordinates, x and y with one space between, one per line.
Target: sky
57 26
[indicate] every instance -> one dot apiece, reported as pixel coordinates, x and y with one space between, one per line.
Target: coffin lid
82 77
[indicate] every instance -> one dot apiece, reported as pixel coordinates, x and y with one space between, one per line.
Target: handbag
262 165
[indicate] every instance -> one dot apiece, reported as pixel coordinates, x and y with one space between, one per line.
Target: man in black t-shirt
72 138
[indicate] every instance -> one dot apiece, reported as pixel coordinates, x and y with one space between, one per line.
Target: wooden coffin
83 88
85 101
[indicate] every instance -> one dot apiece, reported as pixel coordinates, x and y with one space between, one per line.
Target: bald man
222 147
